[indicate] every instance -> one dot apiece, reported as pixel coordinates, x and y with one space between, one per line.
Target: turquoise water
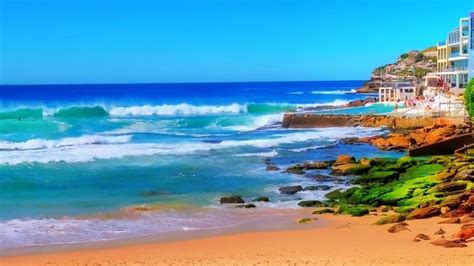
76 161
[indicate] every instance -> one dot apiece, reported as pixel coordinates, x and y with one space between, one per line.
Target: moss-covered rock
395 218
311 203
323 211
377 177
350 169
354 210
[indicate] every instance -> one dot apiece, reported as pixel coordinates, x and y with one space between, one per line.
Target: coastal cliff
409 66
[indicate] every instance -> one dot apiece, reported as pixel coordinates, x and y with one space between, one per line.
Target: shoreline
343 239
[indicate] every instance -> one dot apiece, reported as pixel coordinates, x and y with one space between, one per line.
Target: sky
139 41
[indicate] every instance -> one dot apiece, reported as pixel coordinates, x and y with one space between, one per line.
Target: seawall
293 120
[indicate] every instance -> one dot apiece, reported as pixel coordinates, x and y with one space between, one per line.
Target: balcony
454 69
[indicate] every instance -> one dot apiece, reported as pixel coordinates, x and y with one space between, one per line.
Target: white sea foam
337 102
296 92
334 92
179 109
258 122
36 144
75 150
259 154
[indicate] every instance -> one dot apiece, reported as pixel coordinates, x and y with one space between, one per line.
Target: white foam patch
179 109
337 102
259 154
70 151
335 92
258 122
37 144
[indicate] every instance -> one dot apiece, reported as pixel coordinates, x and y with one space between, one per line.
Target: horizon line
199 82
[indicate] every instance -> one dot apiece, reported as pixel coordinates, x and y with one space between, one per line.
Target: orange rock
438 134
380 143
399 142
344 159
465 234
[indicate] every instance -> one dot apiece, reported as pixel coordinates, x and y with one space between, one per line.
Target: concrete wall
395 122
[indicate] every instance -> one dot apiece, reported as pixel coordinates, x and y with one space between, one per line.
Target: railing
453 69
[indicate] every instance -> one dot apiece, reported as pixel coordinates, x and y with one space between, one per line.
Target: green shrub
469 98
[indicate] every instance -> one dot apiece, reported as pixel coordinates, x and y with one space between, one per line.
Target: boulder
452 220
321 178
449 243
322 211
420 237
423 213
467 219
296 169
440 231
311 203
467 174
290 190
399 142
380 143
396 218
448 187
344 159
231 200
396 228
465 234
261 199
378 176
315 165
366 162
350 169
307 220
246 206
320 187
272 167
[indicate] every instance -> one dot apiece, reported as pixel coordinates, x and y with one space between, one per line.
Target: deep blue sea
77 160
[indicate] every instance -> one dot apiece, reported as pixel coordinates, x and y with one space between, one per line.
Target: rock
465 234
453 220
320 187
380 143
367 162
438 134
423 213
311 203
307 220
290 190
421 237
399 142
378 176
465 226
439 232
350 169
449 243
321 178
344 159
396 228
322 211
261 199
448 187
396 218
386 208
356 211
231 200
444 210
272 167
315 165
334 195
296 169
247 206
467 174
467 219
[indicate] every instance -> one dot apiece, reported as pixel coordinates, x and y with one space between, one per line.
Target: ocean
81 163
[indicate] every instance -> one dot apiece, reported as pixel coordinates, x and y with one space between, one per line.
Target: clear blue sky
119 41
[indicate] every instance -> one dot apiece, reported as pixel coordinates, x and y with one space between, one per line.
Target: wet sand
329 240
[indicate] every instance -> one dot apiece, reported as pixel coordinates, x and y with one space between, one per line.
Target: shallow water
74 159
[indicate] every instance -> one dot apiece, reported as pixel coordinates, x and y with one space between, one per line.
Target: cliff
410 66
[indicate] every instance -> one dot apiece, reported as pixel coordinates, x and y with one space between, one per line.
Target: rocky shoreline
397 190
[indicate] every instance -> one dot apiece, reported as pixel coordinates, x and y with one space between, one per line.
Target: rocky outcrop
409 66
231 200
290 190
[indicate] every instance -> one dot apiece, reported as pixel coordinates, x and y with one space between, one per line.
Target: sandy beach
327 241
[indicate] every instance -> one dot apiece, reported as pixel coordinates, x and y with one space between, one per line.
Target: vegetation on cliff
409 66
469 98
